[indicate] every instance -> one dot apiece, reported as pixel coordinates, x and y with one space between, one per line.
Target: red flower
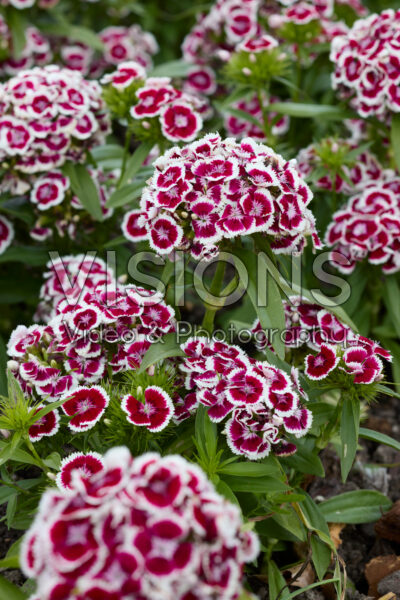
47 425
86 406
154 413
179 122
85 465
319 366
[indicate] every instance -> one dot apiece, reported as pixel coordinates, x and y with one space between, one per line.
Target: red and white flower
154 413
45 426
81 464
320 365
179 122
48 192
110 536
125 75
85 406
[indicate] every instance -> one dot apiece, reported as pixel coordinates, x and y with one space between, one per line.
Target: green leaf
53 461
9 562
206 433
173 68
8 591
321 555
76 33
290 523
312 111
243 115
19 455
387 391
276 583
379 438
360 506
3 367
391 298
125 195
17 25
271 316
305 461
251 469
29 255
224 489
349 426
256 485
11 510
165 348
107 152
25 484
394 348
135 161
395 139
84 187
312 586
7 452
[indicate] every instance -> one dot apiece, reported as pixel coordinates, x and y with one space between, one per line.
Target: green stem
14 486
299 74
215 290
266 124
36 456
128 136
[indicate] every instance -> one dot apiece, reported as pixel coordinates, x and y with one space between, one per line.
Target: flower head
214 189
257 397
151 527
367 68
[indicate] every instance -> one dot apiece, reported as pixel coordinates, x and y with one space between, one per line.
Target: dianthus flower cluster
263 403
36 52
359 171
120 44
368 228
216 189
367 65
66 278
58 210
49 115
337 346
216 34
240 128
229 23
177 112
316 18
152 528
108 330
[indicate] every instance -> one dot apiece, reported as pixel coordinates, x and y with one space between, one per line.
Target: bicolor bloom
135 526
154 412
78 464
45 426
85 406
